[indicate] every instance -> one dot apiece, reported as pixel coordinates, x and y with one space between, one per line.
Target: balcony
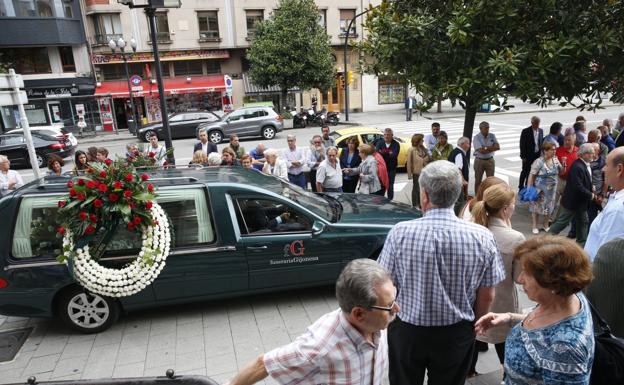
209 36
18 31
103 39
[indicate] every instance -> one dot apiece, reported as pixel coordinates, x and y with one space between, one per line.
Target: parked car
223 243
246 121
14 147
55 131
182 125
370 135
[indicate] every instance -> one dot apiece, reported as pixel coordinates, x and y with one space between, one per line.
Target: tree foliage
474 51
291 49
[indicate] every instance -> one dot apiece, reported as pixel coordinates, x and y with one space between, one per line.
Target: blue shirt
437 263
561 353
254 154
554 139
483 141
609 224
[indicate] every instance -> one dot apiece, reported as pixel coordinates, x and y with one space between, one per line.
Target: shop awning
174 86
251 88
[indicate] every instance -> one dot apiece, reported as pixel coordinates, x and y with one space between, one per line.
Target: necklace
532 317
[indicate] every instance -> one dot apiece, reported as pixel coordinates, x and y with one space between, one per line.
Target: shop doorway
54 112
330 99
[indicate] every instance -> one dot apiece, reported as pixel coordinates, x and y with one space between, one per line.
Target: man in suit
531 140
577 195
204 144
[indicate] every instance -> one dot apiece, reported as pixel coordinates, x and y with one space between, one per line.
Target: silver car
246 121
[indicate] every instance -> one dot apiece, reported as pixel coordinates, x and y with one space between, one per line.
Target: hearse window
265 216
35 229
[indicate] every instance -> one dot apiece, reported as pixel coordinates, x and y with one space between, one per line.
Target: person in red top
566 154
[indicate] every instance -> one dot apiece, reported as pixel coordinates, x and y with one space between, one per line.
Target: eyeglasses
389 309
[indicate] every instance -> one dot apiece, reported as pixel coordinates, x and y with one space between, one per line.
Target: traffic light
349 77
340 81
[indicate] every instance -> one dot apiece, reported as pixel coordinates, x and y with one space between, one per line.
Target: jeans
298 179
349 185
391 177
565 217
329 189
408 114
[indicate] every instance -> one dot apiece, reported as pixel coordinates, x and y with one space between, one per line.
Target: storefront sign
51 92
164 56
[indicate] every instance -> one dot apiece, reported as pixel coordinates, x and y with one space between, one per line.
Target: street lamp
121 45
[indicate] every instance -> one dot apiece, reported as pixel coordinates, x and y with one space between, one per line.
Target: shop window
166 72
67 59
213 67
323 19
187 67
253 17
345 18
27 61
107 27
390 91
208 25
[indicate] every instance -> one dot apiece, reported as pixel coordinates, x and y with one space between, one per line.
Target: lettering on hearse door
295 249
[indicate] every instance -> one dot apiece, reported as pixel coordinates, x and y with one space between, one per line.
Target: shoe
535 231
546 229
473 374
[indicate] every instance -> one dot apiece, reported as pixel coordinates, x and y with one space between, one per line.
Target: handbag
608 367
529 194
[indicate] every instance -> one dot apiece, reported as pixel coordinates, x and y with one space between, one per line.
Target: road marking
501 176
507 172
514 159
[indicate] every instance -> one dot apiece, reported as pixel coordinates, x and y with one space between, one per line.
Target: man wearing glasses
346 346
295 159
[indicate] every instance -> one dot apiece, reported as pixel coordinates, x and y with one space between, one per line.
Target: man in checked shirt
347 346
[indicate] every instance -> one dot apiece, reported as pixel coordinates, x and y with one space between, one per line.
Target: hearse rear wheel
87 312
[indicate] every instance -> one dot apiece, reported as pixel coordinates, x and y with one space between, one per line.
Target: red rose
131 204
93 218
151 154
113 197
103 187
81 197
97 203
89 229
129 177
70 184
60 230
127 194
150 187
72 192
89 170
117 184
144 177
155 222
81 182
91 184
148 205
82 215
61 204
102 174
136 220
108 162
131 226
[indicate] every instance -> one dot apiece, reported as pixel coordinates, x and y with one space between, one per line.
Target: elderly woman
554 343
55 165
10 180
544 175
80 162
417 158
273 165
214 159
442 149
228 157
329 174
494 211
350 158
200 158
367 172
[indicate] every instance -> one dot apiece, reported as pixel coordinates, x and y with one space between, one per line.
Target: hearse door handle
257 248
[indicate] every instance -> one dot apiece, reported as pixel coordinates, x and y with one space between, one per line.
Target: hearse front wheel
87 312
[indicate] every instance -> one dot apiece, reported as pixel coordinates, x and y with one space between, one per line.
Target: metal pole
151 15
346 62
134 112
32 154
112 109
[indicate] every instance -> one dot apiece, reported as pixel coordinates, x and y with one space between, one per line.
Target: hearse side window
35 230
265 216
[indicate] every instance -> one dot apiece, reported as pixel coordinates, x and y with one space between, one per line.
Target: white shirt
459 160
430 141
329 176
9 177
297 154
161 153
608 225
536 138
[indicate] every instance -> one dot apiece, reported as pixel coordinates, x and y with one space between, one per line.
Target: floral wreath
109 194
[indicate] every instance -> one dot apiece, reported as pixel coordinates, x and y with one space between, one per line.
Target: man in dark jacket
204 144
531 140
389 149
577 195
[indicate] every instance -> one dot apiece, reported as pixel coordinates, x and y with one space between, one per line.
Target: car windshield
321 204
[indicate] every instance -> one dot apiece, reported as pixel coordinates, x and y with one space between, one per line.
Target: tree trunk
469 120
283 100
439 104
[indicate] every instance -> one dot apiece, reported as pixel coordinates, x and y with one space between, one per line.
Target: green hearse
234 232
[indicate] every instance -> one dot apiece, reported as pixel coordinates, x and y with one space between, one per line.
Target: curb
107 137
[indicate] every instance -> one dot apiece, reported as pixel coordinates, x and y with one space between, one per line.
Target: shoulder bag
608 367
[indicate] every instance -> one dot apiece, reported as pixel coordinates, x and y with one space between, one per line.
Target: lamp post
121 45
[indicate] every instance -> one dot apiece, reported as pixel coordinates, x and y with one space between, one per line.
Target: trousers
565 217
482 166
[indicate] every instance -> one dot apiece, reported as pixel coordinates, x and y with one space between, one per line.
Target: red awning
174 86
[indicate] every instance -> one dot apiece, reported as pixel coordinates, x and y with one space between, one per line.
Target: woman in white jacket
274 165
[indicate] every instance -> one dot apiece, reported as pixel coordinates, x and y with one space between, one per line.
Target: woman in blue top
554 343
350 158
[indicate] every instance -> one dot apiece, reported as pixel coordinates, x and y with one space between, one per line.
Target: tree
477 51
291 49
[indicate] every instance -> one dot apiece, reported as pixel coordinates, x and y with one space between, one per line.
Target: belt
295 174
491 157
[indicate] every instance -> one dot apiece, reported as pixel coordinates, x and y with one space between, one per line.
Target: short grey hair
535 119
585 148
214 159
270 152
291 136
462 140
357 282
331 148
388 131
484 124
442 182
203 131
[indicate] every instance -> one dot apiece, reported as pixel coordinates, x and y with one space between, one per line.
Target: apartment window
162 27
253 17
208 25
67 7
118 72
188 67
323 19
27 60
67 59
107 27
390 91
213 67
346 15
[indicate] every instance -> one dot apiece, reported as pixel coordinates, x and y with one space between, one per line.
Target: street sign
165 3
136 80
228 85
8 98
5 81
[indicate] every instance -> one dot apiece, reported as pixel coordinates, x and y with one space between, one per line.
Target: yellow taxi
369 135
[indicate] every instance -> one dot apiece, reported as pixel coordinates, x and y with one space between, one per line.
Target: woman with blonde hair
200 158
495 212
417 158
487 183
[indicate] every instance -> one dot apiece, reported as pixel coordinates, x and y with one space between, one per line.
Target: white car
54 131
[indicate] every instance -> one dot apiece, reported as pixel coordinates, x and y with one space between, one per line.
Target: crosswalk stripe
514 174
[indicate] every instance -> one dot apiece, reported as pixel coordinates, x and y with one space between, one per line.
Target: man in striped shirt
445 269
347 346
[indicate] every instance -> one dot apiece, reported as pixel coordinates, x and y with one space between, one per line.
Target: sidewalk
108 136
